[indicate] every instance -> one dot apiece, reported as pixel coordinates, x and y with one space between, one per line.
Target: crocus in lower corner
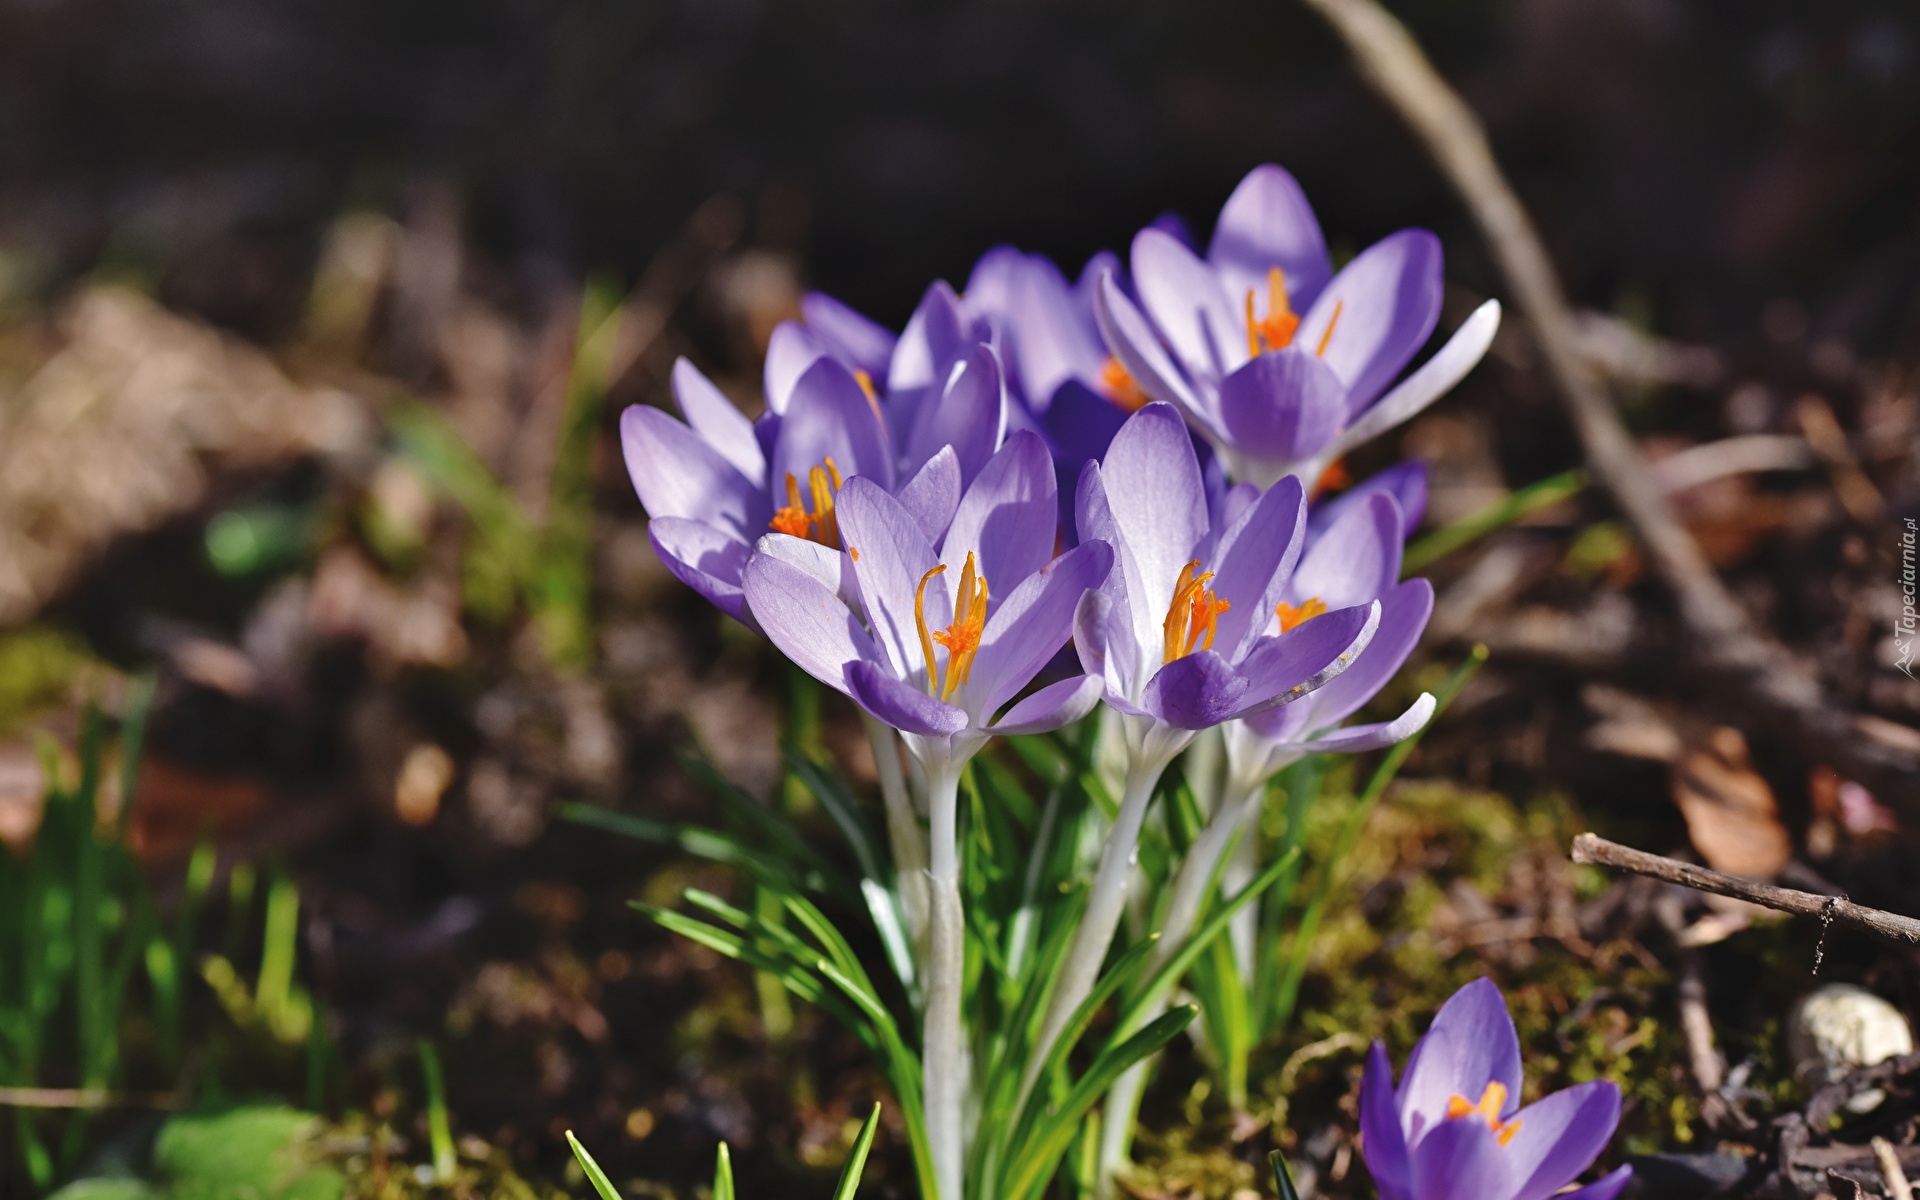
1454 1128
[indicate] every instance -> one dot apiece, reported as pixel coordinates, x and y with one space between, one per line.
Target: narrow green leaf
1503 512
1282 1178
833 797
856 1159
1120 973
595 1175
439 1128
1038 1159
722 1173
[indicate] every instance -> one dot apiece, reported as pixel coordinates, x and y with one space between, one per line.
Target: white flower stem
1106 902
943 1047
905 838
1183 908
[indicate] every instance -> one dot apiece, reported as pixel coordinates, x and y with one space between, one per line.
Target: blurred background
311 317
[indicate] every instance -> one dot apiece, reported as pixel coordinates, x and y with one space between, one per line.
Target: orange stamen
962 638
1491 1102
1336 478
866 385
1117 382
920 623
1193 616
819 525
1291 616
1339 306
1275 330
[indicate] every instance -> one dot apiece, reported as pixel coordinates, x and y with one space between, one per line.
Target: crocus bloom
1278 363
1178 635
1454 1128
910 628
716 483
1058 368
1353 560
943 631
1180 630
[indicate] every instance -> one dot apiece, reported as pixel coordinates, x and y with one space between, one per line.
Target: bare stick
1784 694
1896 1179
36 1097
1599 852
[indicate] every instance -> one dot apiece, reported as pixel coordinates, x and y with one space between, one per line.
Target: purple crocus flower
1180 630
943 631
1278 363
1454 1128
714 484
1178 636
1353 559
910 628
1060 377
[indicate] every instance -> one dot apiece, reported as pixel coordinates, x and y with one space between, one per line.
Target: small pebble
1840 1028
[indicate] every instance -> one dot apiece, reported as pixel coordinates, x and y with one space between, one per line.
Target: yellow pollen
1491 1102
1339 306
1118 384
1192 616
961 640
820 525
1291 616
1275 330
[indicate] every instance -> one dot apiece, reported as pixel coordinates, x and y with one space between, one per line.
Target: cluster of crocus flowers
923 522
1454 1128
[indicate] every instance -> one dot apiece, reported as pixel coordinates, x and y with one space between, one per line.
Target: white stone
1839 1028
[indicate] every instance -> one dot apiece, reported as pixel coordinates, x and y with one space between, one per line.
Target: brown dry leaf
1731 814
111 435
175 807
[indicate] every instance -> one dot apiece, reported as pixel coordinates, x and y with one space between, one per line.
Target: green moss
39 666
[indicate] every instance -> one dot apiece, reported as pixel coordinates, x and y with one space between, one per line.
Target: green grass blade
439 1128
856 1159
1162 980
722 1173
279 947
1282 1178
699 841
1501 513
596 1176
1038 1159
1030 1116
833 797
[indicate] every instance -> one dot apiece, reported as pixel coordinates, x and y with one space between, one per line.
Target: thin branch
1598 851
1762 671
1896 1179
34 1097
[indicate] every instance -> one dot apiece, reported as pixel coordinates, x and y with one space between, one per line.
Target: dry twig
1784 695
1598 851
1896 1179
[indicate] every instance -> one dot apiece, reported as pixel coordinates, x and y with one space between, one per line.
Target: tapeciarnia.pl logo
1903 625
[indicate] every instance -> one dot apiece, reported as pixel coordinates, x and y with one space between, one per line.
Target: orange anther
1291 616
819 525
1118 385
961 640
1275 330
1192 616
